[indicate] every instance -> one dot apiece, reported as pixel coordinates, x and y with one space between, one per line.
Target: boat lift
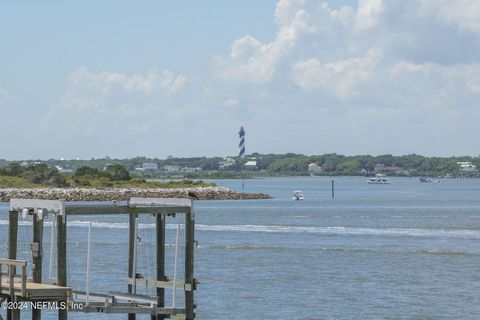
16 287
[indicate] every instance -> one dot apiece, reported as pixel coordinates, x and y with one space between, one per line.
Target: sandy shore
98 194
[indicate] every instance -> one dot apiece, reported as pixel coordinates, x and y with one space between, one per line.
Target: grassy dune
17 182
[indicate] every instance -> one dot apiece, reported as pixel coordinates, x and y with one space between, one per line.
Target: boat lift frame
114 302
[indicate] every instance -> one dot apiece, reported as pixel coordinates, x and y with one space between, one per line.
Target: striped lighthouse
241 145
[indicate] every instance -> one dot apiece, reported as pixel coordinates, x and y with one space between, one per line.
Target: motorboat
298 195
427 180
379 179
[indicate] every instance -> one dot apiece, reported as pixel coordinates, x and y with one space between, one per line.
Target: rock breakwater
100 194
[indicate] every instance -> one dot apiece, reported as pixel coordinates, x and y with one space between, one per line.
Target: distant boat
298 195
427 180
379 179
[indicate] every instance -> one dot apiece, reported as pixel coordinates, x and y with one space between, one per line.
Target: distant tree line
266 164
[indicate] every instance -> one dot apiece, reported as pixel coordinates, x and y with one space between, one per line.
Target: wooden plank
76 211
13 262
56 206
24 280
161 284
96 307
34 290
159 202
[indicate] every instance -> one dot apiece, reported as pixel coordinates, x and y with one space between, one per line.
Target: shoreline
119 194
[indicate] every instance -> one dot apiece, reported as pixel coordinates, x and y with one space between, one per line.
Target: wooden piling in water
131 244
12 235
333 188
12 254
62 257
37 249
189 256
160 236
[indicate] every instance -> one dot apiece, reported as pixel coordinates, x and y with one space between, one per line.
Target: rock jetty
109 194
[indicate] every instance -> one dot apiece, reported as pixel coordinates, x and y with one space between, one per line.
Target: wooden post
160 223
62 257
131 243
333 188
189 256
37 249
12 254
12 235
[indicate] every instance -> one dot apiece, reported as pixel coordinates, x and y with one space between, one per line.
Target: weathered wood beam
62 257
12 254
160 233
37 249
189 266
131 244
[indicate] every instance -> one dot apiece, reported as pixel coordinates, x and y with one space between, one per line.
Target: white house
466 166
314 168
226 164
171 168
152 166
190 170
251 165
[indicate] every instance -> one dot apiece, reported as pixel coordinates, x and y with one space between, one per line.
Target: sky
159 78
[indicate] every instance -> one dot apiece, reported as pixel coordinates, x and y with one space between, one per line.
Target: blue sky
97 78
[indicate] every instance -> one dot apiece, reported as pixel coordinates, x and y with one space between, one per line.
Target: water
401 251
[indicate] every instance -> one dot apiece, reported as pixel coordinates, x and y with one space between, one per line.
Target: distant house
63 170
150 166
466 166
226 164
190 170
171 168
381 168
250 165
314 168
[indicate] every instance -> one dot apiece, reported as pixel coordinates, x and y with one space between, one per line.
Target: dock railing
11 266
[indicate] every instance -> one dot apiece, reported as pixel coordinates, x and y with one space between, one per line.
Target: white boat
298 195
379 179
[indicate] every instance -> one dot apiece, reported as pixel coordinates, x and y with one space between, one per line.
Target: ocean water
407 250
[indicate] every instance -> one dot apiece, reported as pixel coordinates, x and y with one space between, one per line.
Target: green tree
117 172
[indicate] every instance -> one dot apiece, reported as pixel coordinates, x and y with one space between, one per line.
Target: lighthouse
241 145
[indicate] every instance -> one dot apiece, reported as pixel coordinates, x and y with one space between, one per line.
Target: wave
337 230
445 252
410 232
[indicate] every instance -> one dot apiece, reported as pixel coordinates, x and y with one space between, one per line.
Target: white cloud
340 76
462 14
104 82
368 13
113 99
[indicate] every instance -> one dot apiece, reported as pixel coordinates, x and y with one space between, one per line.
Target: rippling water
401 251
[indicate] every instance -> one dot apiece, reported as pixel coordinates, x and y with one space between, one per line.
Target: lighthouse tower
241 145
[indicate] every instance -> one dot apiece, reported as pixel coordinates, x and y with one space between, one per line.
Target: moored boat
379 179
298 195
